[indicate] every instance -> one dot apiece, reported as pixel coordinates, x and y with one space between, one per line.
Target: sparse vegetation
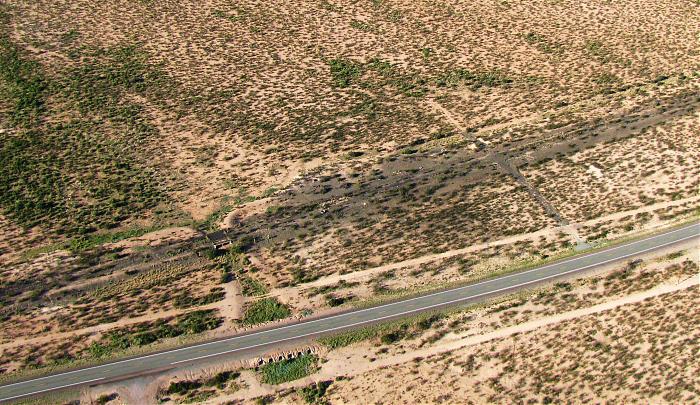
147 333
403 146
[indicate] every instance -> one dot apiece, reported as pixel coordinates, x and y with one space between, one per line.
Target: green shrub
314 392
150 332
183 387
392 337
103 399
300 276
289 370
334 301
198 322
426 323
220 379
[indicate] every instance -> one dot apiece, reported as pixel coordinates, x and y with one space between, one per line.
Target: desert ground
355 152
623 333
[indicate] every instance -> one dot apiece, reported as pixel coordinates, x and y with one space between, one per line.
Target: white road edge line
374 308
51 389
431 306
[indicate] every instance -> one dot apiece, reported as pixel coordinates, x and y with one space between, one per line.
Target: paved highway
262 341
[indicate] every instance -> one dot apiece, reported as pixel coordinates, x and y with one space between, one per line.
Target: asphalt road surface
259 342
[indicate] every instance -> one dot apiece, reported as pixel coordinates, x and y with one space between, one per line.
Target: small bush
251 287
103 399
334 301
392 337
426 323
344 72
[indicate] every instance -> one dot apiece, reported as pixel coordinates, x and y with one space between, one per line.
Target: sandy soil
339 362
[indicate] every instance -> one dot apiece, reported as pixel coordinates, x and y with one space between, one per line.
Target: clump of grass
265 310
251 287
607 79
361 25
542 43
333 301
393 336
183 387
220 379
289 369
199 390
344 71
596 48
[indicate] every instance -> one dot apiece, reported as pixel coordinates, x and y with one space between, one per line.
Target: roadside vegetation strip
289 369
388 331
337 340
571 252
150 332
391 331
265 310
115 354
